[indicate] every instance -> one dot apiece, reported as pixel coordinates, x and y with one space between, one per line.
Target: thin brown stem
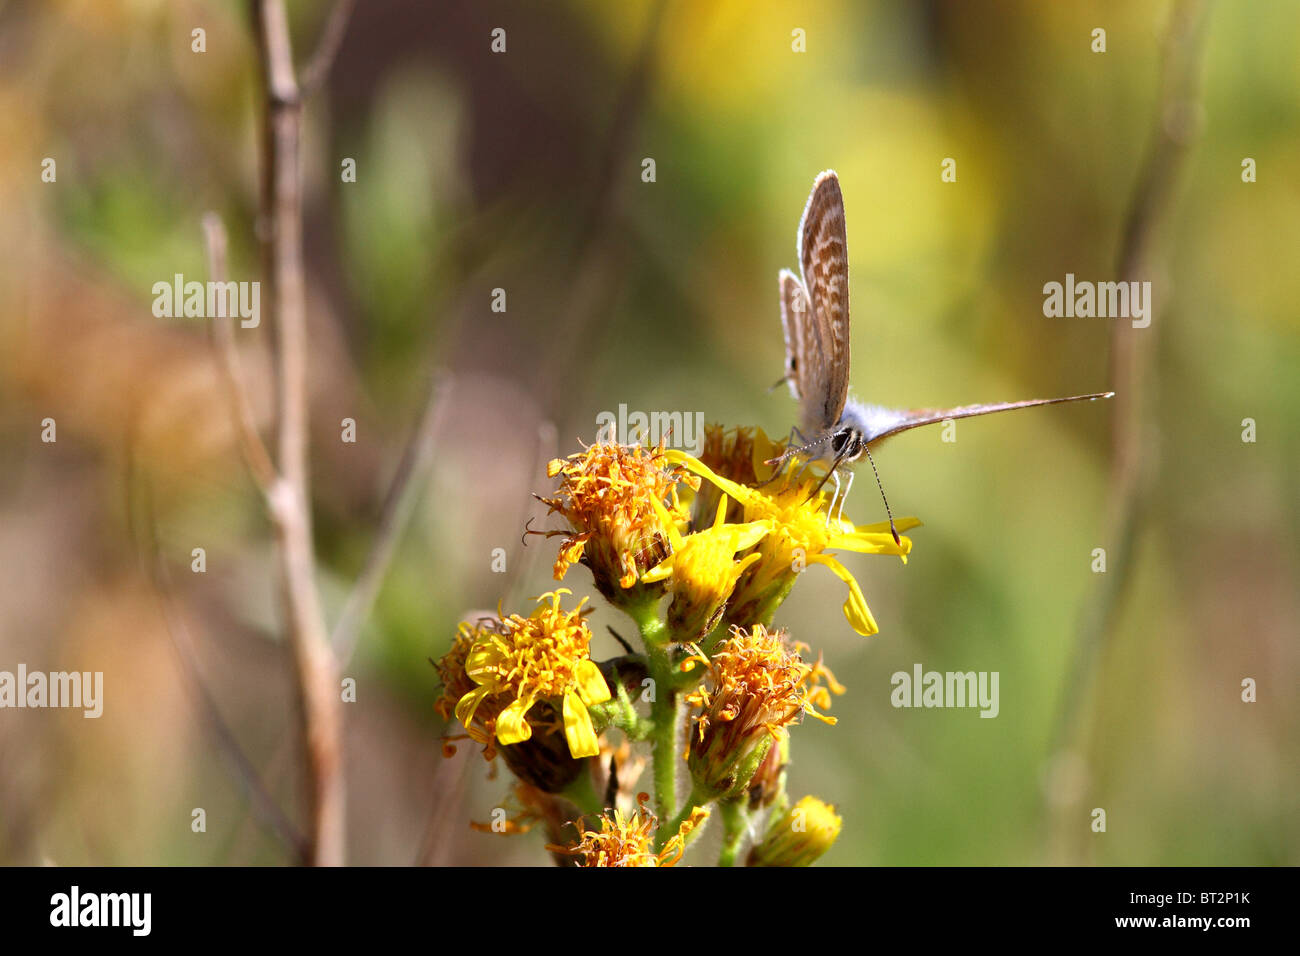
320 712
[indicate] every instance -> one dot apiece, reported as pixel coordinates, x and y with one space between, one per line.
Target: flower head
800 534
540 657
608 494
628 840
704 569
798 837
756 686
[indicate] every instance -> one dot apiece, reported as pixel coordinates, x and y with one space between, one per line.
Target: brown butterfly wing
824 344
794 316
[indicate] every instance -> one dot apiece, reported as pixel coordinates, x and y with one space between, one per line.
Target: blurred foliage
522 172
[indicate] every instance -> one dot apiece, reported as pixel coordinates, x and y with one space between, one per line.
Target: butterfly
815 319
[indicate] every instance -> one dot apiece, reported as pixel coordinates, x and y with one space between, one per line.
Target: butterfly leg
844 497
835 476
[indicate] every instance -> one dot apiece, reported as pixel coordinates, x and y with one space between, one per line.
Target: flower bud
799 837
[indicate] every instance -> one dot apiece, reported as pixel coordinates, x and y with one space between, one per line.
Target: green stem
735 819
663 717
663 708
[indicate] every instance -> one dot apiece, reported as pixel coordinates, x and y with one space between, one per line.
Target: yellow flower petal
739 492
882 527
869 542
855 607
483 657
591 683
745 562
661 571
578 730
748 535
512 728
466 706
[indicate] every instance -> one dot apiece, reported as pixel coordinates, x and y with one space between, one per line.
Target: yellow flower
798 837
704 571
757 685
607 494
541 656
800 535
629 840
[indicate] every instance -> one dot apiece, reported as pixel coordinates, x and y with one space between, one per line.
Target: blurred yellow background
522 171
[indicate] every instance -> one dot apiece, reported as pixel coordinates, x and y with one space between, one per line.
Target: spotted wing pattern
823 345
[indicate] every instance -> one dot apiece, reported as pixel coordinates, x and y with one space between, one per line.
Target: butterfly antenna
892 529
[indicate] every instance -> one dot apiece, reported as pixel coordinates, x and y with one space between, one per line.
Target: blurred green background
522 171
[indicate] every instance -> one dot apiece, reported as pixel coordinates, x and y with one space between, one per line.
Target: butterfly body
815 322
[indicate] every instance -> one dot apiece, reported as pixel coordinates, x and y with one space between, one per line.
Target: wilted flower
608 494
755 688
